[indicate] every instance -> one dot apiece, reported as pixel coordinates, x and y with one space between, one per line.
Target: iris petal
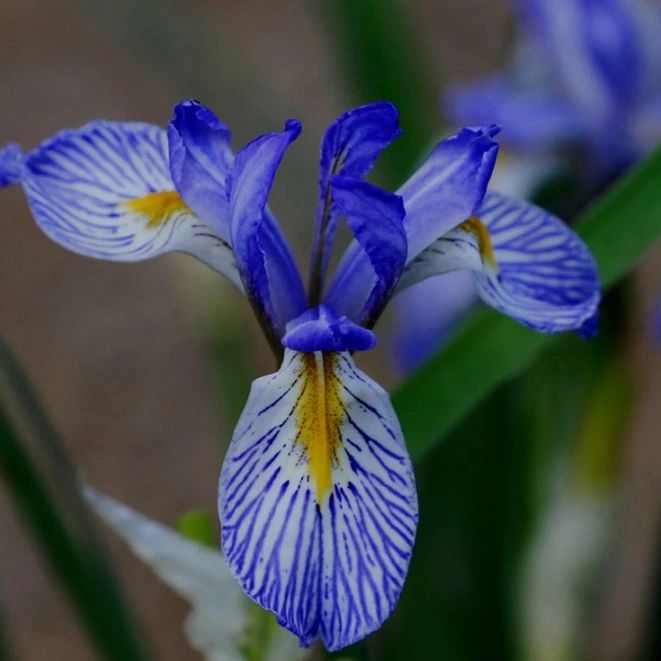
428 314
375 218
527 264
11 163
449 186
105 191
447 189
349 148
201 161
267 266
317 499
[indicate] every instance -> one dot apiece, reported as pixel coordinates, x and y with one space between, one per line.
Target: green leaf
491 349
197 526
44 487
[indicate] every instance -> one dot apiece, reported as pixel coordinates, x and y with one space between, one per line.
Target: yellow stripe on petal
156 208
479 230
320 413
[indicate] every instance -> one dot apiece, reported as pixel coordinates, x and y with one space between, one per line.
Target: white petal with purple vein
527 264
317 499
105 191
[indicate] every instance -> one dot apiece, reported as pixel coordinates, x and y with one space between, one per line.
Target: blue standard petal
376 220
267 267
349 148
200 162
449 187
446 190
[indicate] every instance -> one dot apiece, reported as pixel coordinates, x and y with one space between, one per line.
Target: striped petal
317 499
527 264
105 191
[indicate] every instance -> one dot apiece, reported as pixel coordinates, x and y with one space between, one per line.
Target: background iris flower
317 498
582 94
585 74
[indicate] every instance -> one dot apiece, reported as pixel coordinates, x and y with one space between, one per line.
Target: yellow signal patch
478 229
156 208
319 415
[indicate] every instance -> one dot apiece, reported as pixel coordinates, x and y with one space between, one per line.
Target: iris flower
581 92
317 499
585 74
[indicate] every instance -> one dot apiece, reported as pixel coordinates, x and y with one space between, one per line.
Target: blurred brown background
121 353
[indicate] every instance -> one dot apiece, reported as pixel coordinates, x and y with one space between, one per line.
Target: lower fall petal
105 191
317 499
526 263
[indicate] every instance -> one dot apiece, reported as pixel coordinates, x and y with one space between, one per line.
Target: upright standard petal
105 191
267 268
349 148
527 264
317 499
446 190
376 220
201 162
449 187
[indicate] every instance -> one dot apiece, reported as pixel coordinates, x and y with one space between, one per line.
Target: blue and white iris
581 93
317 496
586 74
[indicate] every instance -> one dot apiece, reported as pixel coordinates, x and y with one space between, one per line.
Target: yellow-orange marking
319 414
478 229
156 207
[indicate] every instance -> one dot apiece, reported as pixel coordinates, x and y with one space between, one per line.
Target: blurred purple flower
585 78
585 73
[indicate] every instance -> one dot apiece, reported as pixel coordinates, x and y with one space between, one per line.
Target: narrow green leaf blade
625 221
491 349
44 488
